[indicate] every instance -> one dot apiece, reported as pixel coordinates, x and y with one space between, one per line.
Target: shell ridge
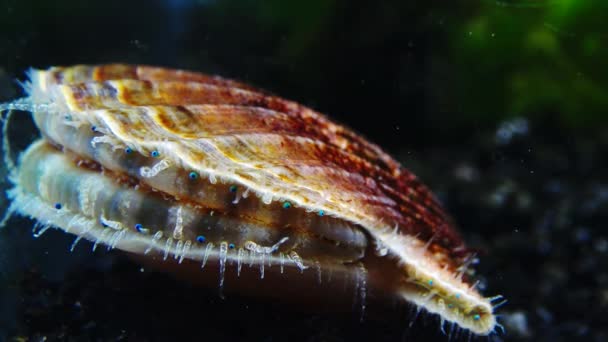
320 125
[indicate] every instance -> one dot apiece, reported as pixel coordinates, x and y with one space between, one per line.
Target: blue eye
286 205
155 154
193 175
231 246
57 206
128 150
200 239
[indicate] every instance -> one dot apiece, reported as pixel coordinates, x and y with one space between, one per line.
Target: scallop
181 168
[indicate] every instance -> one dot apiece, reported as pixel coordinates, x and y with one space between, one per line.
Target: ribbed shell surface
275 147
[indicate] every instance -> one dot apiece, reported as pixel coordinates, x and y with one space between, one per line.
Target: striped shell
163 163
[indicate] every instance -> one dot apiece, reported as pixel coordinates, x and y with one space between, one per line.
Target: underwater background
499 106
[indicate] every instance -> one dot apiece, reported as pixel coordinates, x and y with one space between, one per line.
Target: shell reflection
173 164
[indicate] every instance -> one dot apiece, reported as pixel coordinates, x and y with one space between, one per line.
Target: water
499 106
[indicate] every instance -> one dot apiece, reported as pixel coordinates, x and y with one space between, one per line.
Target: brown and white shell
161 163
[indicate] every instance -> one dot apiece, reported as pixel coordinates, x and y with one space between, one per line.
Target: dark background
500 106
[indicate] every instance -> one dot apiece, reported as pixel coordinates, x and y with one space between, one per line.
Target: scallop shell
167 163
